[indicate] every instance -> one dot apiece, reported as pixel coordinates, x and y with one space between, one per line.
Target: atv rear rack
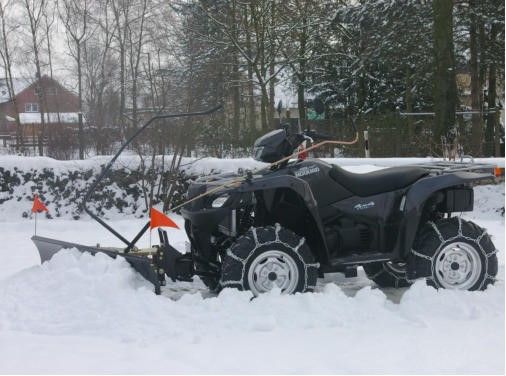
440 168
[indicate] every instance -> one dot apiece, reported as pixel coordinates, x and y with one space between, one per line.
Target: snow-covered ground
91 314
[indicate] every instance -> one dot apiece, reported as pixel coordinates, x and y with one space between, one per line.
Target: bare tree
259 41
35 12
445 90
136 32
74 14
5 55
121 11
99 76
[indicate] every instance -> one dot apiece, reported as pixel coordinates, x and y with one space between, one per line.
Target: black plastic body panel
458 200
344 227
417 197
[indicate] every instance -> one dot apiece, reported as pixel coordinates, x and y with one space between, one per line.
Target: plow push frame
152 263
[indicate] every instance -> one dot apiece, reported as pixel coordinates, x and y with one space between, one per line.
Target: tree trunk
301 100
122 90
10 84
476 129
263 107
409 103
236 94
41 133
272 94
272 67
236 99
493 128
445 89
80 97
251 90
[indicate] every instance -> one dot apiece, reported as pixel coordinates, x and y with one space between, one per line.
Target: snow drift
97 297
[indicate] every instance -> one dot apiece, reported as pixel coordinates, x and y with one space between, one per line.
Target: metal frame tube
107 168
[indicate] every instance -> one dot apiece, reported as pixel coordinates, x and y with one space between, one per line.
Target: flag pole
35 223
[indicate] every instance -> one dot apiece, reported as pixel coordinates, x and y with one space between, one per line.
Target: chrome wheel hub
273 269
458 266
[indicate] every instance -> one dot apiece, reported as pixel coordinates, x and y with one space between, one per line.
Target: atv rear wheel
456 254
270 257
387 274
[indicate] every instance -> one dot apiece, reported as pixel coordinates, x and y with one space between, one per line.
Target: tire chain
459 235
244 261
385 270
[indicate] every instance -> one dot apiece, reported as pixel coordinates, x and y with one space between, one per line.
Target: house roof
19 84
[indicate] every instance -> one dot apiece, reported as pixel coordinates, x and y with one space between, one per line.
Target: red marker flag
38 206
158 219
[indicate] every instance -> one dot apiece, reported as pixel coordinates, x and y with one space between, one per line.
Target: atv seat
386 180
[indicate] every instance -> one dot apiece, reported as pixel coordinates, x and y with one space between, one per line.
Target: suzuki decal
369 205
307 170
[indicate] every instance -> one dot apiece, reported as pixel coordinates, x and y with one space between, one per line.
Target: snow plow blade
48 247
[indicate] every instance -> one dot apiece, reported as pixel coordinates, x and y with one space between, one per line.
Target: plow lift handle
107 168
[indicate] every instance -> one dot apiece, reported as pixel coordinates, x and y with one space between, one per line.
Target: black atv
285 226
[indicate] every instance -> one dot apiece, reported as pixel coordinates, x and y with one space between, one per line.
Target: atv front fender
303 190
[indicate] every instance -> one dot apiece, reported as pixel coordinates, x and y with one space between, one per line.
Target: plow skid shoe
48 247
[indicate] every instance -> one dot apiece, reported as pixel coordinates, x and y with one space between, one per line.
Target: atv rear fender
419 194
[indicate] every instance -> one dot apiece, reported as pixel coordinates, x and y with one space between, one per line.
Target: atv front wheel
456 254
270 257
387 274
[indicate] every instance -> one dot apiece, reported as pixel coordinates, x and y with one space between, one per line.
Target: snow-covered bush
124 191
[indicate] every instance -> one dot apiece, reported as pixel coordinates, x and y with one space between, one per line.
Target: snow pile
488 200
80 295
103 300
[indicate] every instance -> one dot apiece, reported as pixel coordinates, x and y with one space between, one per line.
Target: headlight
220 201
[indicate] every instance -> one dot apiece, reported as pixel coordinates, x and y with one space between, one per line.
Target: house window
52 91
31 107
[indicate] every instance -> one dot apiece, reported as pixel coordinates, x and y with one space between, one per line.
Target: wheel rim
273 269
458 266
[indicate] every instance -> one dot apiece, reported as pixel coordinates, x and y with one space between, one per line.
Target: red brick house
60 106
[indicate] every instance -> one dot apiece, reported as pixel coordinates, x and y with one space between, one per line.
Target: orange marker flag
158 219
38 206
